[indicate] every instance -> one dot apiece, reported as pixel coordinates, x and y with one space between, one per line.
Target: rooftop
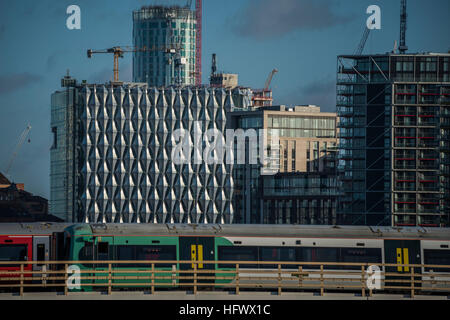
3 179
442 54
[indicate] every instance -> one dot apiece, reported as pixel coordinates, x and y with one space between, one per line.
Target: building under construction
394 145
174 33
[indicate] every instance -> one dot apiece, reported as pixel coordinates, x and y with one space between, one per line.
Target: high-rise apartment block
307 144
394 112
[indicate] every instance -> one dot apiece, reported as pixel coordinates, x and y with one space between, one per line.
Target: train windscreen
13 252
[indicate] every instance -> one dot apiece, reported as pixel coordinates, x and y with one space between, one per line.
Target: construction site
384 170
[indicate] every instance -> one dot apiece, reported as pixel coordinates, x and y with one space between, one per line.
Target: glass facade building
300 198
121 168
393 150
307 143
62 150
168 34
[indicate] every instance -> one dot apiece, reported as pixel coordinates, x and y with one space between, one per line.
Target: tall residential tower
169 35
394 139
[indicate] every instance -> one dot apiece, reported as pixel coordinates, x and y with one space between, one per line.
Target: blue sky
301 38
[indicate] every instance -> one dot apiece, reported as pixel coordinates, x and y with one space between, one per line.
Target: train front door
103 252
402 252
197 249
41 252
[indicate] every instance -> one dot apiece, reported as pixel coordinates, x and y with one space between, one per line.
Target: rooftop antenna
402 48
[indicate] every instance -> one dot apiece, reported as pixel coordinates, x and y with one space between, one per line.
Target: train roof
254 230
32 228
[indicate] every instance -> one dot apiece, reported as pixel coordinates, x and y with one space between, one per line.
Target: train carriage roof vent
217 228
377 231
99 226
171 227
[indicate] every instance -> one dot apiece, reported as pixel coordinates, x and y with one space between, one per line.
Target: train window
438 257
103 251
146 252
157 253
241 253
13 252
318 254
40 252
277 254
359 255
87 253
66 247
125 253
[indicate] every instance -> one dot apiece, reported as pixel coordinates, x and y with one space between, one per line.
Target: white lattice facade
125 168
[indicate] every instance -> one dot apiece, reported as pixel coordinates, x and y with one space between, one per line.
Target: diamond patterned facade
125 170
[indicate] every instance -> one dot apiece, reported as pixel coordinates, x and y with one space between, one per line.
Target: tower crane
119 51
269 79
263 97
22 138
402 48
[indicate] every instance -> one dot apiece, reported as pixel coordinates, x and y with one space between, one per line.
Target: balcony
426 200
405 186
427 142
428 165
445 136
428 121
405 209
429 221
405 177
402 166
431 188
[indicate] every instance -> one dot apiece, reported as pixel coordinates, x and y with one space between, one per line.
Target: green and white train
286 243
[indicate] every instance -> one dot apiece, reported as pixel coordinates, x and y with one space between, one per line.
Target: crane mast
402 48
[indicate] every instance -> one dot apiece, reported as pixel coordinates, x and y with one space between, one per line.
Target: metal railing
268 275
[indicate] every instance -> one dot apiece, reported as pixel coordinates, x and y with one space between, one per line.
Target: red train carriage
30 242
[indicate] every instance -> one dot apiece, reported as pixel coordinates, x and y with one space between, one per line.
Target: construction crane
118 53
263 97
402 47
269 79
362 42
22 138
